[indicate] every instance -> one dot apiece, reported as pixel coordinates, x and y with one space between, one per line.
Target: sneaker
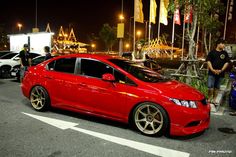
232 113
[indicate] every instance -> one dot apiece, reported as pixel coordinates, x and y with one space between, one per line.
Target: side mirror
108 77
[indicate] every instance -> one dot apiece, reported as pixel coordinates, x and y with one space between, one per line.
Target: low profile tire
5 71
39 98
151 119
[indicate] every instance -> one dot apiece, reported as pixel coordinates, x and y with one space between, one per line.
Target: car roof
93 56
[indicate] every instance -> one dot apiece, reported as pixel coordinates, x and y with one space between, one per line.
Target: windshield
140 72
8 56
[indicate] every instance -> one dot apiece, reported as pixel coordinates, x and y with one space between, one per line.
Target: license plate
13 74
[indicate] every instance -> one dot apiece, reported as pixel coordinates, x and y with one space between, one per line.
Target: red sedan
117 89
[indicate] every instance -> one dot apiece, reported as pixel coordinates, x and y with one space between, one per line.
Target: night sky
85 16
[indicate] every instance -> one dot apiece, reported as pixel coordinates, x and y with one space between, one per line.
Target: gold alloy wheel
38 98
148 118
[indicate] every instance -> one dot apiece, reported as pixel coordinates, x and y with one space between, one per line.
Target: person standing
138 55
25 60
47 52
217 61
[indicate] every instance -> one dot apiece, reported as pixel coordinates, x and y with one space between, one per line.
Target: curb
221 100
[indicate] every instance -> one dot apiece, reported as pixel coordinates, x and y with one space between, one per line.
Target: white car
8 61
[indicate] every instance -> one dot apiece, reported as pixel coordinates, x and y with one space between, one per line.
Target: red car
117 89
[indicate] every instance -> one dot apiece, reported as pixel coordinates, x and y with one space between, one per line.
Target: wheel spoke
142 113
148 109
146 125
141 120
41 103
33 94
37 104
155 113
157 121
152 125
37 91
34 100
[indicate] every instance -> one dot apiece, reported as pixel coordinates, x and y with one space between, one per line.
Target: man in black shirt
217 61
25 60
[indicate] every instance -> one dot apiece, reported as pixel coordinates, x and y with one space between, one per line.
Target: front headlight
185 103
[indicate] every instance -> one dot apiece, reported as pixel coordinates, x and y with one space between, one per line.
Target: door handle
48 77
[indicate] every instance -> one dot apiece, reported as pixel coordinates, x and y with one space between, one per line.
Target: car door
99 96
61 79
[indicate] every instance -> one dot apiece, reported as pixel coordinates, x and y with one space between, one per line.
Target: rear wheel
150 119
39 98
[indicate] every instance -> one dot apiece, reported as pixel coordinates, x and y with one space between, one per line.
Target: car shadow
188 137
90 118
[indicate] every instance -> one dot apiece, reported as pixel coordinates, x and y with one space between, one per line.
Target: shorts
22 71
214 81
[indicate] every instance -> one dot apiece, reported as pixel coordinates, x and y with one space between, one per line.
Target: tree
108 35
3 38
203 15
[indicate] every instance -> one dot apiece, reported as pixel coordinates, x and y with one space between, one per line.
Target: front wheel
39 98
150 119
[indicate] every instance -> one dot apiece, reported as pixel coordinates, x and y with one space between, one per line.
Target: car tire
39 98
5 71
150 119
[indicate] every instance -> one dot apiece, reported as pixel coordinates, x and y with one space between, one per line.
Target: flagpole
226 19
172 41
158 30
134 26
159 21
183 41
149 27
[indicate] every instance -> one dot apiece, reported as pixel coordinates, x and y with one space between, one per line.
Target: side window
94 68
50 65
38 60
121 78
66 65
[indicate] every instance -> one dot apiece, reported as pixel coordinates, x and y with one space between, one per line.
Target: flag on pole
230 14
177 15
163 11
152 15
138 11
188 17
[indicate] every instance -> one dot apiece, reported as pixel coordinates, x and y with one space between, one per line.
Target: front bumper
187 121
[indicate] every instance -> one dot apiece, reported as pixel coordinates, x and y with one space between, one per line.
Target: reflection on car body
117 89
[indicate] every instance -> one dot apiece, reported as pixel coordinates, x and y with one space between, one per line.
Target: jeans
214 81
22 71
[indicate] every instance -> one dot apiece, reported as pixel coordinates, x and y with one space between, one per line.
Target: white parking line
151 149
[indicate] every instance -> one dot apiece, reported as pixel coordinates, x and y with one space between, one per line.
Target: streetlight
138 33
93 47
120 29
121 17
127 46
19 25
120 33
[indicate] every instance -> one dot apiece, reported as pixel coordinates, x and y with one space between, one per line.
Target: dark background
85 16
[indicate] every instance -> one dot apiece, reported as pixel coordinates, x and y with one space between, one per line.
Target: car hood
177 90
8 61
